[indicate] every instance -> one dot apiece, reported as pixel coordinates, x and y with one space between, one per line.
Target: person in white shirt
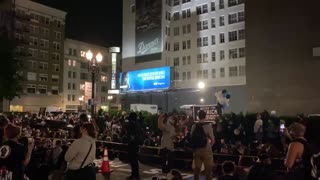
258 128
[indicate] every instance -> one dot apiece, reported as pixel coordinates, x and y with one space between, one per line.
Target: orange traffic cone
105 167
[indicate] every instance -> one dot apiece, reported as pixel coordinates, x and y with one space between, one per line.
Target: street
122 170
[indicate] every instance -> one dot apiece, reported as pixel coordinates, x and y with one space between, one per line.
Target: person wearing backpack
202 139
299 154
167 141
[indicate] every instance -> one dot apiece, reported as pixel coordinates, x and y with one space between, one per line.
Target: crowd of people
50 143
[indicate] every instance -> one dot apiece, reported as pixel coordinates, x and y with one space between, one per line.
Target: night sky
92 21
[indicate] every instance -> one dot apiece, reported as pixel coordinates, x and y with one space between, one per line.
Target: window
176 16
70 51
32 64
69 62
69 97
31 76
57 35
33 41
202 9
205 57
184 29
33 52
176 75
56 56
55 90
44 32
199 74
233 53
222 55
44 43
58 23
222 72
202 25
188 59
184 45
184 76
104 89
213 56
199 58
43 66
241 16
213 73
232 3
176 61
213 39
242 70
44 55
176 31
168 31
233 36
188 75
55 78
222 38
73 97
168 16
82 53
185 1
176 2
34 29
205 41
42 89
186 13
213 23
74 52
184 60
233 18
213 6
83 76
176 46
74 75
56 67
43 77
167 46
31 88
221 20
69 86
73 86
221 4
199 42
205 74
133 8
56 45
233 71
83 65
188 28
242 52
188 44
69 74
104 79
74 63
242 34
47 20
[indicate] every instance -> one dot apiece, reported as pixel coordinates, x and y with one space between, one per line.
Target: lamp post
93 67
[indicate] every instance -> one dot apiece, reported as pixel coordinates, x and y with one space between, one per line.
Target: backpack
199 138
315 165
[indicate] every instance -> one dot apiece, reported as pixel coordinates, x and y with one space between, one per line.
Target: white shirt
258 126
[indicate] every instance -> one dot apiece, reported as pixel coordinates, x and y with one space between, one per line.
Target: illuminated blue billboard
145 80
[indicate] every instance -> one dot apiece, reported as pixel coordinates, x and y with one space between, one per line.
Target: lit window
104 79
73 63
83 53
69 62
82 87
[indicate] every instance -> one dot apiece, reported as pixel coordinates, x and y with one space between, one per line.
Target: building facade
202 40
39 32
77 82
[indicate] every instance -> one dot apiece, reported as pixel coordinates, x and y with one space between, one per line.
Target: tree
10 80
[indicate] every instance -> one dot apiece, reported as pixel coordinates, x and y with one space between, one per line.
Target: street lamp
201 85
201 100
93 67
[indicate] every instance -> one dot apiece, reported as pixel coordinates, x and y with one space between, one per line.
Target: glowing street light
201 85
201 100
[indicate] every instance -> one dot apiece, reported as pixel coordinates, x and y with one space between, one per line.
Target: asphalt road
122 170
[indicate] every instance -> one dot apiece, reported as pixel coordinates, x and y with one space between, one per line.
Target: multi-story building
39 32
77 79
203 40
261 51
